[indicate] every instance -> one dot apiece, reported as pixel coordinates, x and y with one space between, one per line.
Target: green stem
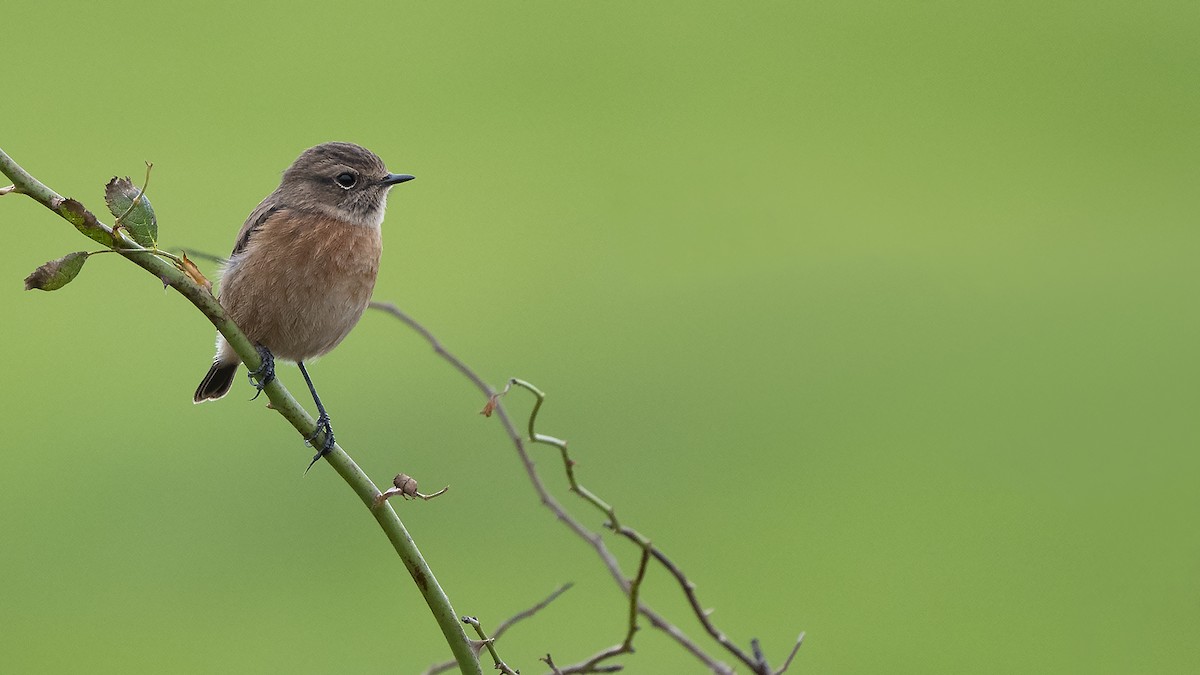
568 463
281 400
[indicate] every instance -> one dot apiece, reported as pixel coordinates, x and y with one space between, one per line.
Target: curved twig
592 538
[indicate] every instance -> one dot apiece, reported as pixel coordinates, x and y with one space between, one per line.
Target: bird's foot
266 372
326 445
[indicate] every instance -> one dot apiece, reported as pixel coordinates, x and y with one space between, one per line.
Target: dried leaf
189 268
489 407
138 218
56 273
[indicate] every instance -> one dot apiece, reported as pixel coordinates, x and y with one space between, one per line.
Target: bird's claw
323 426
266 372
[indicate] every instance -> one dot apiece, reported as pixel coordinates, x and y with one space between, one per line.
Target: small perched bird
304 265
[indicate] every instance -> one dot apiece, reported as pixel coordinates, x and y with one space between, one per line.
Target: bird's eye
346 180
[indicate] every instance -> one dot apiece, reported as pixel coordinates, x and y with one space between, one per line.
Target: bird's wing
257 217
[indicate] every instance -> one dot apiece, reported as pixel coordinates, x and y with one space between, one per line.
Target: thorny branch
757 663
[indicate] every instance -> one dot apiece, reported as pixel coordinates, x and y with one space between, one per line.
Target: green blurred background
878 317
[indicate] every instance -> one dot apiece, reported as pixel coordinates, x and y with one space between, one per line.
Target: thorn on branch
478 646
489 643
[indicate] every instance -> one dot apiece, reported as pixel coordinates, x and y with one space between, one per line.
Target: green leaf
138 218
56 273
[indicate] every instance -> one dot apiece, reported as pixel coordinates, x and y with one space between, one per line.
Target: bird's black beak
394 178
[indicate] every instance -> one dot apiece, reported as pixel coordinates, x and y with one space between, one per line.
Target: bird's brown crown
341 180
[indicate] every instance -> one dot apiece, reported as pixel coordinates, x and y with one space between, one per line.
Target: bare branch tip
791 656
438 493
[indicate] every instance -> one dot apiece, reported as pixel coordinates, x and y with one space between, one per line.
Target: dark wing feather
257 217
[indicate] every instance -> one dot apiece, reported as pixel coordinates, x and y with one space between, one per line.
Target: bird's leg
266 372
322 421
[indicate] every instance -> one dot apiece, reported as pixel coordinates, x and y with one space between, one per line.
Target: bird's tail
217 382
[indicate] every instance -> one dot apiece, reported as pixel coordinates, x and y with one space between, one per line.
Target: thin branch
525 614
792 655
634 587
757 663
592 538
592 665
490 644
281 400
689 590
568 463
506 624
549 661
201 255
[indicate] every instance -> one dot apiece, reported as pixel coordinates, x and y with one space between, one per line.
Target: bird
304 266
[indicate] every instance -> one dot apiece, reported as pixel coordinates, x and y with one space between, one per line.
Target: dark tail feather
217 382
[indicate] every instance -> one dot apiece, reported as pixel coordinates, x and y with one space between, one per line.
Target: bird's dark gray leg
322 421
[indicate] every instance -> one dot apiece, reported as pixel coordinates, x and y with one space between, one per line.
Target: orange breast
302 283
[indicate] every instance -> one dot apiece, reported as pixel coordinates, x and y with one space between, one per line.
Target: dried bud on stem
406 486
